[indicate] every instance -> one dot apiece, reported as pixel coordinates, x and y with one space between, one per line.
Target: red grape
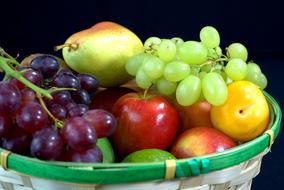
81 97
5 125
10 97
18 141
88 82
90 155
61 98
58 111
47 144
79 134
66 80
46 64
33 76
28 95
103 121
31 117
77 110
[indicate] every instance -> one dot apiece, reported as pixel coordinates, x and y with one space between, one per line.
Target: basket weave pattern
237 177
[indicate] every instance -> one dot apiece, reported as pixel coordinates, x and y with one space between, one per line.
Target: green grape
166 87
236 69
153 67
214 89
209 36
237 50
218 51
253 68
192 52
202 74
188 90
206 68
142 80
151 45
263 81
176 71
222 74
212 53
178 41
256 76
134 63
194 70
167 50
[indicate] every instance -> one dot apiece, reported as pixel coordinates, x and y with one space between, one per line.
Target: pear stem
73 46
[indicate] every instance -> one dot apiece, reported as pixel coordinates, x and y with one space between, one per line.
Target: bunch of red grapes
28 125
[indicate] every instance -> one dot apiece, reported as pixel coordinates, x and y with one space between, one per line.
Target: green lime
149 155
107 151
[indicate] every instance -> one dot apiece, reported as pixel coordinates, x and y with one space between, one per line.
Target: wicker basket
232 169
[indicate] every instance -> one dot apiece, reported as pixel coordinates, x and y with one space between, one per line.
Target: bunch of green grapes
193 70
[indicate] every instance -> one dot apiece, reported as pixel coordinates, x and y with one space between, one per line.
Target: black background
37 26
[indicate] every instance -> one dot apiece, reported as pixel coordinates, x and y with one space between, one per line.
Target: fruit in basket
192 70
148 155
196 115
47 144
106 98
92 155
102 121
103 51
201 141
79 134
143 121
10 97
245 114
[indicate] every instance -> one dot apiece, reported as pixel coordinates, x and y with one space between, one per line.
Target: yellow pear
102 50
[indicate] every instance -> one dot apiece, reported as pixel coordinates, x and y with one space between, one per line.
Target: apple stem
72 46
146 91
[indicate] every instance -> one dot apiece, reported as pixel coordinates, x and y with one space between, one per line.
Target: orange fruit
244 115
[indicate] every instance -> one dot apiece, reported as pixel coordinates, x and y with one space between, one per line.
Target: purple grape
81 97
47 144
64 71
31 117
58 111
79 134
33 76
5 125
66 80
89 156
10 98
62 98
46 64
70 105
18 141
88 82
28 95
77 110
103 121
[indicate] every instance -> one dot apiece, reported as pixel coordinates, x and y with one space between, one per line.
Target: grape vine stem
11 72
58 123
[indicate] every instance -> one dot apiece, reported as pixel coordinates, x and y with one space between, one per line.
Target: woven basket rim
113 173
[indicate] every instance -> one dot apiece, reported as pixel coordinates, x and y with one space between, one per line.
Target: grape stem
11 72
58 123
55 89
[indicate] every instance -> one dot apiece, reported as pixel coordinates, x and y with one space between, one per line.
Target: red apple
195 115
143 122
105 99
200 141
